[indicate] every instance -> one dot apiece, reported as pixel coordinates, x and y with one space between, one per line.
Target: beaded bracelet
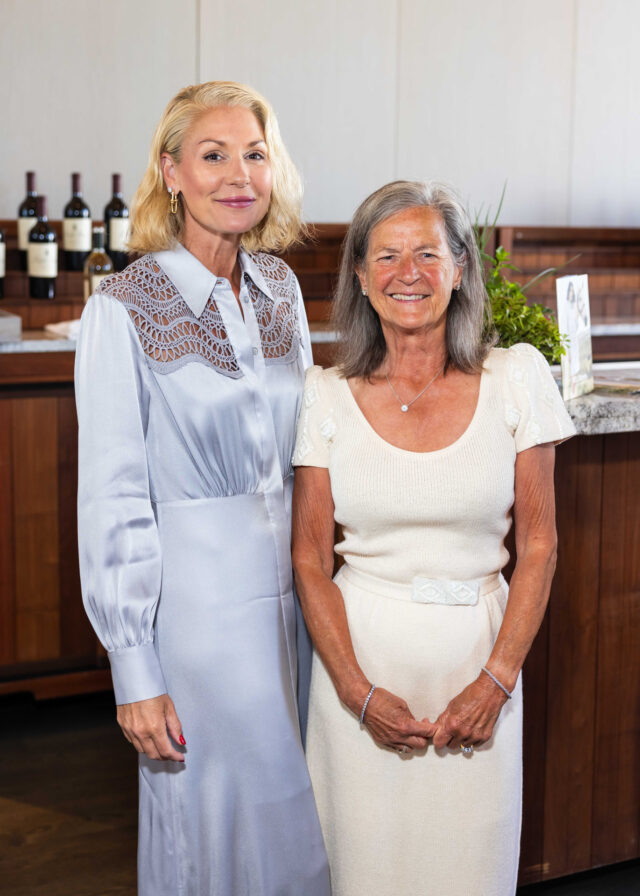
366 703
495 681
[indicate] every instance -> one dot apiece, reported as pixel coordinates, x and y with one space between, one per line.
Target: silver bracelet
366 703
495 681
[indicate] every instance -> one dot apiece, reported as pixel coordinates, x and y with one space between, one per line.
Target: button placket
236 328
251 323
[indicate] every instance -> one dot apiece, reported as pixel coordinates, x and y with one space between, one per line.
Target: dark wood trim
36 367
7 543
47 687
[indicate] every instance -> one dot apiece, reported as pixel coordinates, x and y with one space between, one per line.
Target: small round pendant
404 408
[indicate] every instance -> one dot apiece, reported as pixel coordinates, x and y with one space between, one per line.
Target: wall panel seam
396 111
198 29
572 114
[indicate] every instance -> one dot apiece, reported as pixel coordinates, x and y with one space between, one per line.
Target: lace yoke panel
170 333
278 316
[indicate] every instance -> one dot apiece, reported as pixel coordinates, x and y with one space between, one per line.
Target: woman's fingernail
183 741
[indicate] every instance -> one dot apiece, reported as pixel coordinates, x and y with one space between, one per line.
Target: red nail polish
183 741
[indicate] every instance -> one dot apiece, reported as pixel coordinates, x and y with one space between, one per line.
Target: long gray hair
362 347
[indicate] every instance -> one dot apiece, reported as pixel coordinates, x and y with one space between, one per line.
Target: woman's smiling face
224 174
409 272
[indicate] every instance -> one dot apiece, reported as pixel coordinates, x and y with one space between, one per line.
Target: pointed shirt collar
195 282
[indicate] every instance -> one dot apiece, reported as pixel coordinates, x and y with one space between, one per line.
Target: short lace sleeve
534 409
316 426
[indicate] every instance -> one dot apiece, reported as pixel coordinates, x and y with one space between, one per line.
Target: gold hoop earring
173 203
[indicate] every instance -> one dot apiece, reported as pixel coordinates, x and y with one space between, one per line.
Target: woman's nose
239 172
407 269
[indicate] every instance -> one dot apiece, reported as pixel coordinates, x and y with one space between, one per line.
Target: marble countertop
37 341
44 341
614 405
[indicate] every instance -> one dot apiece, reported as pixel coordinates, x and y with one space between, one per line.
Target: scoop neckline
437 451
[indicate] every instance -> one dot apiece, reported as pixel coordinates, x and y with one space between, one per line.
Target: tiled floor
68 798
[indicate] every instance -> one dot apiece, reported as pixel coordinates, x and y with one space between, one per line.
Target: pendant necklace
404 406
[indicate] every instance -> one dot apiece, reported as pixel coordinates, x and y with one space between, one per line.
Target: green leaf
512 317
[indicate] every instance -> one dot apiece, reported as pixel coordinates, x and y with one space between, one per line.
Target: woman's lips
237 201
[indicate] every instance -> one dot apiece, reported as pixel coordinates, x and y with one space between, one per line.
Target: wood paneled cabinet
46 643
582 676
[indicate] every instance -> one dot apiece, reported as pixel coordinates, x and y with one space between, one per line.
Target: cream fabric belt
422 590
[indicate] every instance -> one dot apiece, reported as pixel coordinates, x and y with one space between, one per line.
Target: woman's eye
256 156
213 156
427 255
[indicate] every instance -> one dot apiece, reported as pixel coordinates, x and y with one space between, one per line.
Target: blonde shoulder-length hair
153 228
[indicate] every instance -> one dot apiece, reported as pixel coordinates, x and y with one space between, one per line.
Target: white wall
540 93
84 83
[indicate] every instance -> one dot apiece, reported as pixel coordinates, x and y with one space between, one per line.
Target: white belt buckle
445 591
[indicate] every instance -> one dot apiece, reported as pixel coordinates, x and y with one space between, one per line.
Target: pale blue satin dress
187 410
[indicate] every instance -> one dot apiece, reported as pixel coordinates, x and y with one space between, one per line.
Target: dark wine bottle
116 222
76 228
2 263
26 218
98 265
42 255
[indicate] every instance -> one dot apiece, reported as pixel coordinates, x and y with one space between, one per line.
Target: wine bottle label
118 234
76 234
95 281
42 259
91 283
3 253
24 229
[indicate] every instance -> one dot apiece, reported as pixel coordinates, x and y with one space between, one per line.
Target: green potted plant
514 318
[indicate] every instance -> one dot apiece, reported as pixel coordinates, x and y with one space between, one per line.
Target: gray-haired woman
421 443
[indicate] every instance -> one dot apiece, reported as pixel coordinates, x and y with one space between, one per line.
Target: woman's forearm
326 618
528 598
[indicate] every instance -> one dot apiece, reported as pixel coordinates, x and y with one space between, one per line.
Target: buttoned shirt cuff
136 674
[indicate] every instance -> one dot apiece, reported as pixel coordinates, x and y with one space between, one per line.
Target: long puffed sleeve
120 562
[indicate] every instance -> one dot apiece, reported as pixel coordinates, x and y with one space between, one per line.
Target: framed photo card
574 321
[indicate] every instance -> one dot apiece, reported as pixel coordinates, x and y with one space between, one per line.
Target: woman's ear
363 282
169 174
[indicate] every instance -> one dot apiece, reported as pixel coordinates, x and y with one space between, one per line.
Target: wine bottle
116 222
26 218
2 263
76 228
42 255
98 264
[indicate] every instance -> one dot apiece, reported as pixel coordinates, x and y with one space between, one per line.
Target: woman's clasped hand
468 719
391 723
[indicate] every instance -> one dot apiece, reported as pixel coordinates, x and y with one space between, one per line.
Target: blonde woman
189 373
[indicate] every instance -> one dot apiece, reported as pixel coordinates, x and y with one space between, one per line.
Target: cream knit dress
431 821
